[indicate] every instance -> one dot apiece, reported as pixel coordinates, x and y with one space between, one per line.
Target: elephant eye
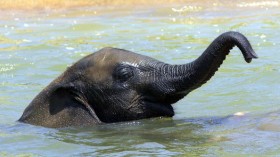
123 73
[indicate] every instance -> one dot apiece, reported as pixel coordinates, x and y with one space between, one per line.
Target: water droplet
69 48
26 40
263 36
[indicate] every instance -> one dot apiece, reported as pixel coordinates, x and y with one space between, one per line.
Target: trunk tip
243 44
250 56
248 60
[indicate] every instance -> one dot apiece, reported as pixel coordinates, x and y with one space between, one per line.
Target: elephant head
113 85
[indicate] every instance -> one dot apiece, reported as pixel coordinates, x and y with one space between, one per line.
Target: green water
37 46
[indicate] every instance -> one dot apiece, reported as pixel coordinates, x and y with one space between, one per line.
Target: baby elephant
114 85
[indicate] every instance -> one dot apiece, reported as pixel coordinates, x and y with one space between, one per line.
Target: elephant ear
65 99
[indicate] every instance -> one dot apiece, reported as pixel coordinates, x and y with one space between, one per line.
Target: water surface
37 45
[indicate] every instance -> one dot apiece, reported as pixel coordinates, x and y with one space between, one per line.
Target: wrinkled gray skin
114 85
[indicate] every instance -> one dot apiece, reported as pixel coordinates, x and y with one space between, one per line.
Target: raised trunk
192 75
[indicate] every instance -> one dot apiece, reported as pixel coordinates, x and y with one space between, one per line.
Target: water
37 45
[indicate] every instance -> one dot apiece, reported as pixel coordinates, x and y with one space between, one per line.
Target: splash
65 4
187 9
259 4
68 4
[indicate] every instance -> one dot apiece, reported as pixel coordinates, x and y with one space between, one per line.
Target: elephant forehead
112 57
100 71
117 56
99 75
103 64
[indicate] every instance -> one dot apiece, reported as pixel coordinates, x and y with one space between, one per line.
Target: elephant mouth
173 98
157 107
